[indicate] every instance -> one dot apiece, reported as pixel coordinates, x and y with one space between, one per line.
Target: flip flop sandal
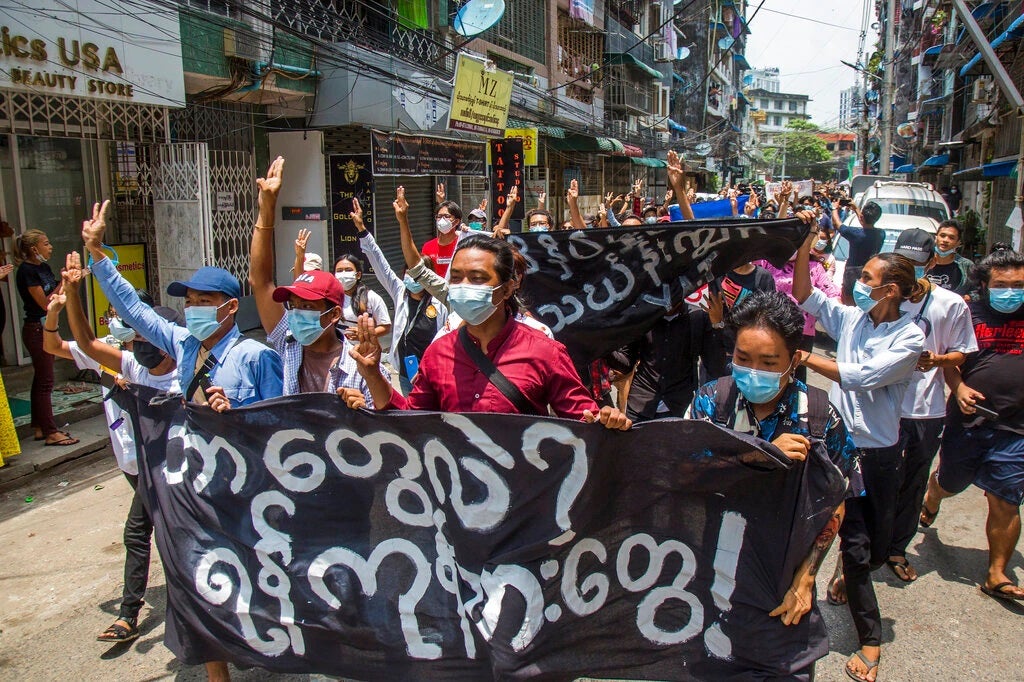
927 516
118 634
904 566
997 592
871 665
67 440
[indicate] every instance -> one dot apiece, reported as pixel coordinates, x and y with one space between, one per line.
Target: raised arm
501 230
409 248
301 240
261 251
572 198
103 353
52 341
119 291
374 256
677 179
802 269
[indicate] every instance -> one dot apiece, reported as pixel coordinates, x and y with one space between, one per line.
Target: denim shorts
989 458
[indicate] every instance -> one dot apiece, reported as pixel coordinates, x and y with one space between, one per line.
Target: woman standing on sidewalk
36 284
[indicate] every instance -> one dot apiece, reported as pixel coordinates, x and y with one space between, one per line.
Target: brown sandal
118 634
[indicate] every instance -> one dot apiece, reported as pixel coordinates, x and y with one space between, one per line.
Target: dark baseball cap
208 279
915 244
313 286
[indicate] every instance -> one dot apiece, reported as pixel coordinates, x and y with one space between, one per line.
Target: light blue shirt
876 365
247 370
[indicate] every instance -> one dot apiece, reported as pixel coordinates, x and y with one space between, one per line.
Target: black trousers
138 530
919 440
866 534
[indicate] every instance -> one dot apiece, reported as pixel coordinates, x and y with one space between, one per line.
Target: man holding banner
462 372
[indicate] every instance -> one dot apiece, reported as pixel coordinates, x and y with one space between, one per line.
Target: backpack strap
817 412
726 395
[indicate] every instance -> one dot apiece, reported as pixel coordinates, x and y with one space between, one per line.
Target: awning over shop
632 150
678 127
741 61
629 60
586 143
933 51
1015 31
975 173
936 161
550 131
999 169
649 162
905 168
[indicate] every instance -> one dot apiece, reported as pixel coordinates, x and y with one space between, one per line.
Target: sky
807 50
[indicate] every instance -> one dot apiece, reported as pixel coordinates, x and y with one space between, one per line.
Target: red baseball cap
313 286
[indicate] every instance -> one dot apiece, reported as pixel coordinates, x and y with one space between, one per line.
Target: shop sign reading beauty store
82 49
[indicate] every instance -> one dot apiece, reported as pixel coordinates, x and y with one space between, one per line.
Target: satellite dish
703 149
476 16
726 42
906 130
748 79
682 53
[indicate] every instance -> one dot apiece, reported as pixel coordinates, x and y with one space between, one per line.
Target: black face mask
147 355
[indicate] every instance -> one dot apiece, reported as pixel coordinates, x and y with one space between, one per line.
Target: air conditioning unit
619 128
634 124
242 43
981 90
662 52
662 137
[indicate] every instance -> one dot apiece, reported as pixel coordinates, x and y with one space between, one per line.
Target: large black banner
398 154
300 536
600 289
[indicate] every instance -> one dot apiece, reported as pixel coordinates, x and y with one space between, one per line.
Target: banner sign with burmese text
600 289
300 536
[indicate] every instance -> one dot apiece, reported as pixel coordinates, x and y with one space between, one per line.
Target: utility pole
783 156
887 88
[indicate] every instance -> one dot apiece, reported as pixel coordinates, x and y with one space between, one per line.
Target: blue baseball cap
208 279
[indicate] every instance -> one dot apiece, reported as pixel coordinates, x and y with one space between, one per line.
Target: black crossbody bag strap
494 375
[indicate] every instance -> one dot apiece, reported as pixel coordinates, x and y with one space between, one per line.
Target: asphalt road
61 570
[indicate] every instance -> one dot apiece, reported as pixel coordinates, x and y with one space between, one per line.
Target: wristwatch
718 325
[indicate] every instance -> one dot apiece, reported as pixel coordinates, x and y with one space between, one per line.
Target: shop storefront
78 91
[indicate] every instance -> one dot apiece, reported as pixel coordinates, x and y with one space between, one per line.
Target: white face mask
444 225
347 279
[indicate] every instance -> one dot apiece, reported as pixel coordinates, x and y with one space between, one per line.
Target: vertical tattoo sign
351 178
506 173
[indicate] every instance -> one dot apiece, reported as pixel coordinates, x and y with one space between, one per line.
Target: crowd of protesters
910 327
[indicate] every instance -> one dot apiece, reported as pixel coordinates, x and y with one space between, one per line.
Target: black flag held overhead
300 536
600 289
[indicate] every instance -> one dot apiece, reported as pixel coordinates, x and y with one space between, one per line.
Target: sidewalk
37 458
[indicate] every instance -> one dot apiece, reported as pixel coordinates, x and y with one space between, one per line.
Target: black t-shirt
419 331
32 275
949 276
736 287
996 370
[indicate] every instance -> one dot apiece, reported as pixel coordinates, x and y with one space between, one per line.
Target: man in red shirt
447 219
482 293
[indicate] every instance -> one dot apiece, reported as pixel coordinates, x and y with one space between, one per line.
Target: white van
905 205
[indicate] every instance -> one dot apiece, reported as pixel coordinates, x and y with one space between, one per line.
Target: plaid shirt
342 374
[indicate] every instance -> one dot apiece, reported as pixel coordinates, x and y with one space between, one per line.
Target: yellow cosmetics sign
481 98
131 263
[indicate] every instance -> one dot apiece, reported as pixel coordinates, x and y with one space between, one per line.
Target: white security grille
232 184
181 208
26 113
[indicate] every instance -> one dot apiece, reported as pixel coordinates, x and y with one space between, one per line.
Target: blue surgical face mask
472 302
862 296
757 386
120 331
201 320
543 227
650 220
1006 300
305 325
919 271
476 225
412 285
944 253
820 245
